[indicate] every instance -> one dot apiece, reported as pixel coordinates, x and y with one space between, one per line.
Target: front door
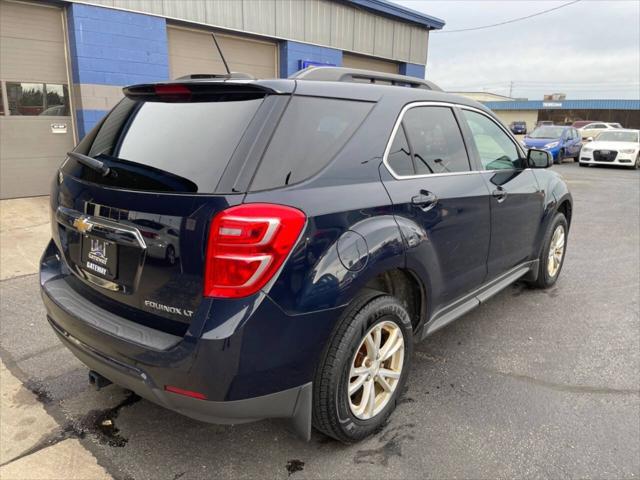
516 198
431 185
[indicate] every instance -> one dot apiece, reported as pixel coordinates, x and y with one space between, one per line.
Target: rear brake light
149 234
172 91
247 245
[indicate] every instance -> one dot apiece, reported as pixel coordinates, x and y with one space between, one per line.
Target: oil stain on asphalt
294 466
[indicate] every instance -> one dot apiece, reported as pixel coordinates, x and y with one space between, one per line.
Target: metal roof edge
399 12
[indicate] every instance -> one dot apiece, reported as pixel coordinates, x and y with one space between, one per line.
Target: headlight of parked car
628 150
551 145
587 150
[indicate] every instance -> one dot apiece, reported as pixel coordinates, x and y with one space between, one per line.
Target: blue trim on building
565 105
113 47
293 54
412 69
398 12
87 119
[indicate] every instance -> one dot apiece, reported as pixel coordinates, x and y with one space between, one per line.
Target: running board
461 307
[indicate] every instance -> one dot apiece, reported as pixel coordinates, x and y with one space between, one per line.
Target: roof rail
341 74
225 76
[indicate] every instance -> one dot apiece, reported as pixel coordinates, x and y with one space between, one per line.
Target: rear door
135 235
516 198
432 185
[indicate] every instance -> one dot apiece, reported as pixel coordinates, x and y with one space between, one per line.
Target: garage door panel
19 20
27 177
32 136
26 60
193 51
368 63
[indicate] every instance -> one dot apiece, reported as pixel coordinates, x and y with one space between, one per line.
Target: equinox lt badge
166 308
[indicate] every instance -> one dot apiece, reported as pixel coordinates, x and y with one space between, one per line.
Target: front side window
495 148
435 140
31 99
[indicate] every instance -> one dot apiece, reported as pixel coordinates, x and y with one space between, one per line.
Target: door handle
499 194
425 201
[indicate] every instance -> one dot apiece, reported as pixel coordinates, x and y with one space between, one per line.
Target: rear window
311 132
185 145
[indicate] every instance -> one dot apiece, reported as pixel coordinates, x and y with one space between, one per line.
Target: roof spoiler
196 91
341 74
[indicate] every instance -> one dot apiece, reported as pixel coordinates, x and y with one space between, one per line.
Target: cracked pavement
535 384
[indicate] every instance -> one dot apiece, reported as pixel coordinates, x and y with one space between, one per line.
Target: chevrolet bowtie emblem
82 224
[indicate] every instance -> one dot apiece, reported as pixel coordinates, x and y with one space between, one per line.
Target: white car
592 130
613 147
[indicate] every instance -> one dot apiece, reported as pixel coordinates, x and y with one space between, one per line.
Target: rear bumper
294 403
245 366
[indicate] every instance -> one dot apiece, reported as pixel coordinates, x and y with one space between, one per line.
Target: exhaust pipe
98 380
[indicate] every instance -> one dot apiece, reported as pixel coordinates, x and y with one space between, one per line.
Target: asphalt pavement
535 384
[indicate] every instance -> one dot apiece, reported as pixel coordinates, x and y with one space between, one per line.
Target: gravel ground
531 384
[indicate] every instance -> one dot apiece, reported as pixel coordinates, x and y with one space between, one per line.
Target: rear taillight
247 245
149 234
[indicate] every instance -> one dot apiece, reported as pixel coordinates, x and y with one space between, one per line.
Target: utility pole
511 88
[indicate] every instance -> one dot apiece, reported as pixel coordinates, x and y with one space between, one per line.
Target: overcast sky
587 50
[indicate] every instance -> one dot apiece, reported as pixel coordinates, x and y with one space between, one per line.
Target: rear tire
551 260
348 361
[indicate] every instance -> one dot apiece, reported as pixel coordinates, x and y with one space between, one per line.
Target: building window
30 99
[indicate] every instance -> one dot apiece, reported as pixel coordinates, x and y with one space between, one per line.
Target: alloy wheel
556 251
375 370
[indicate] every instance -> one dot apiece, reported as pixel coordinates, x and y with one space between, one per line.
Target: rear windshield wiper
92 163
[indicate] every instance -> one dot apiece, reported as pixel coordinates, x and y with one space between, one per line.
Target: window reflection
30 99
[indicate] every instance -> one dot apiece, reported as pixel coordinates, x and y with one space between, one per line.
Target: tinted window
495 148
399 158
436 141
311 132
189 142
37 99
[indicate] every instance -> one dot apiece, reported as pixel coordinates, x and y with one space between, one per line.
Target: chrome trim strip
409 106
126 234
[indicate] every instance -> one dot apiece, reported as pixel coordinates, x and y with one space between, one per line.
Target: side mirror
539 158
590 139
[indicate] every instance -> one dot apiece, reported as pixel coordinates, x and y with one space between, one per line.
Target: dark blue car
562 142
321 225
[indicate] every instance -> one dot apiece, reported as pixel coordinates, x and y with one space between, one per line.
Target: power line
508 21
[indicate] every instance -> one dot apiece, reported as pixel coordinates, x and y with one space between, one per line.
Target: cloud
587 50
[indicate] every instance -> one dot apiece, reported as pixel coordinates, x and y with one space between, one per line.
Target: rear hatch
132 205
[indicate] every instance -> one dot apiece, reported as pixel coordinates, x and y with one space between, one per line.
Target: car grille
600 156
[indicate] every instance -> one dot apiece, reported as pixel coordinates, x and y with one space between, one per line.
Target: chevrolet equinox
236 249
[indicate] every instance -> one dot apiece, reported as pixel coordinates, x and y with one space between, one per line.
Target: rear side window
311 132
435 141
189 141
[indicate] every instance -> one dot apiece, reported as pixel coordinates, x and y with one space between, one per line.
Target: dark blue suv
237 249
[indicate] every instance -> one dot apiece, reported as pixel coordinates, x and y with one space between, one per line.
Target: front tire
559 157
553 252
363 370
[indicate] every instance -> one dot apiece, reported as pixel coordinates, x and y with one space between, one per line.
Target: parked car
326 225
561 142
581 123
613 147
593 129
162 240
518 127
